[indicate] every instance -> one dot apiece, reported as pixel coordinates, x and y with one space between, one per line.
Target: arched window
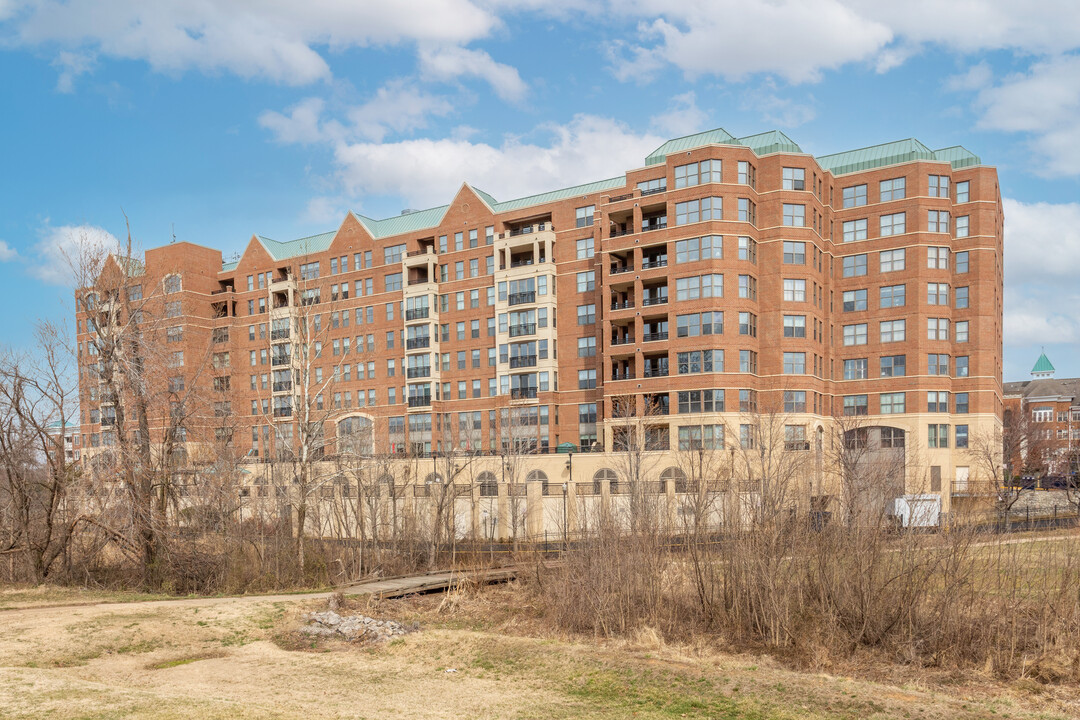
90 300
433 478
675 474
356 436
489 486
603 476
541 477
171 284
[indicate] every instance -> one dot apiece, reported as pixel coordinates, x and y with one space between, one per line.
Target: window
855 369
698 361
961 262
704 286
707 323
854 334
854 230
937 329
962 331
697 173
748 249
961 436
747 174
854 300
648 187
174 334
854 196
586 379
892 296
892 224
172 309
584 216
697 401
393 254
1044 413
794 178
747 211
748 361
962 191
937 257
747 287
702 248
586 347
893 330
586 314
696 437
961 366
309 271
856 405
891 260
794 401
794 363
961 403
937 402
937 293
794 290
894 189
892 403
961 297
586 281
694 211
962 226
585 248
794 253
393 282
795 326
893 365
747 401
746 436
135 292
937 221
171 284
854 265
939 186
794 215
748 324
938 436
937 364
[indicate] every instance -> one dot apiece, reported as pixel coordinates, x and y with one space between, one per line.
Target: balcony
628 229
654 224
520 361
279 334
625 340
416 314
283 385
108 421
528 229
655 263
522 297
279 360
418 372
624 305
654 336
622 375
653 191
419 401
617 198
521 262
525 393
655 372
620 269
519 330
283 412
658 300
417 343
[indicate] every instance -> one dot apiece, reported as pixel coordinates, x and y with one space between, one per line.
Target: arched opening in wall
541 477
873 470
677 476
489 484
605 476
356 436
433 479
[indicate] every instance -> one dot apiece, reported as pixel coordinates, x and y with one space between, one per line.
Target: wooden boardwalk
429 582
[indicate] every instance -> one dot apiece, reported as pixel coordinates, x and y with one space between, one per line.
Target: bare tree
996 452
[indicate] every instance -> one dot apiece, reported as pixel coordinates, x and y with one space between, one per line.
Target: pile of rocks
354 628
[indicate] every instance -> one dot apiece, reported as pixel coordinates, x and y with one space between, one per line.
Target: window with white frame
584 216
855 369
893 330
937 221
937 364
794 326
961 296
794 290
585 248
937 401
586 281
937 293
854 300
937 329
892 403
939 186
747 174
794 215
962 331
747 211
854 230
794 253
794 363
855 334
794 178
937 258
894 189
748 249
854 196
891 260
962 228
894 224
962 191
856 405
702 248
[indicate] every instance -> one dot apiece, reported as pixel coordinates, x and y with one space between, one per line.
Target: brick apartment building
724 277
1050 408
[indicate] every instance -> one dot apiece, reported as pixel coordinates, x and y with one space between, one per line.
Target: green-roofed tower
1043 367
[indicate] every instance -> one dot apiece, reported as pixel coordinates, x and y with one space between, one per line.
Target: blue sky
218 119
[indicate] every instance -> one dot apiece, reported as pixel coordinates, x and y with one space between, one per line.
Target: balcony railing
654 336
653 191
417 372
620 269
418 342
423 251
622 305
279 334
620 232
627 340
282 385
107 421
283 412
522 297
526 329
656 225
279 360
521 263
655 372
520 361
660 300
624 375
419 401
525 393
656 263
416 314
617 198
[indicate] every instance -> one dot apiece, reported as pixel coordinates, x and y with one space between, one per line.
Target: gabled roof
134 267
1043 365
719 136
773 141
875 156
576 190
407 222
293 248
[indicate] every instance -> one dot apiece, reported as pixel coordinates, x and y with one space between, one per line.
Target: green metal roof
1043 365
719 136
960 157
876 156
773 141
586 189
227 266
294 248
404 223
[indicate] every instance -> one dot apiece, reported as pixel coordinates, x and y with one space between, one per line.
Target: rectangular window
794 363
703 286
794 401
891 260
854 265
855 369
794 253
701 210
962 191
962 226
939 186
748 361
961 403
937 221
962 331
854 300
894 189
586 347
892 224
854 230
892 296
794 215
795 326
856 405
747 287
747 174
747 211
702 248
748 324
961 262
937 293
393 254
585 248
586 379
937 364
961 366
961 297
892 403
937 329
586 281
937 258
393 282
794 178
937 402
855 334
584 216
794 290
961 436
586 314
854 196
697 173
748 249
938 436
893 330
893 365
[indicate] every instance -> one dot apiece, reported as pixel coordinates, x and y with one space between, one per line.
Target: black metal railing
416 313
282 385
654 336
620 232
626 340
418 342
419 400
653 191
659 300
656 263
655 372
521 297
625 375
617 198
279 334
622 305
519 330
524 393
283 412
620 269
417 372
658 225
521 263
278 360
520 361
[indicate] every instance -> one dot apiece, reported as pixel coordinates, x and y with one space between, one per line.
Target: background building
725 279
1046 412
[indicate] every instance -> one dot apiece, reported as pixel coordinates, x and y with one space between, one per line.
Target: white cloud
59 247
1045 102
249 38
684 117
325 210
448 63
424 173
976 77
398 106
72 65
776 110
300 125
7 252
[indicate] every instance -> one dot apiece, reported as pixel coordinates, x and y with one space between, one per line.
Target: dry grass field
476 655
